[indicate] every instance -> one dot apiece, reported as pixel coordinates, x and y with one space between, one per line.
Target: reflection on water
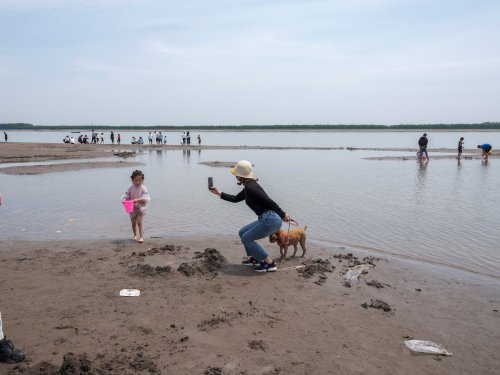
439 212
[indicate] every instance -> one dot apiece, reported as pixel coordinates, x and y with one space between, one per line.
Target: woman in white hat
270 216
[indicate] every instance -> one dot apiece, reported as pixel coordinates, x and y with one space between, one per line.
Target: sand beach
201 312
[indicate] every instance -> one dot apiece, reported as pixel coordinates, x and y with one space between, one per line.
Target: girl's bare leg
134 229
139 223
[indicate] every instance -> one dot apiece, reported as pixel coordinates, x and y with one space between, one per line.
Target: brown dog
295 237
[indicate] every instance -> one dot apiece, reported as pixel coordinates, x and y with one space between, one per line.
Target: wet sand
42 152
201 312
51 168
35 152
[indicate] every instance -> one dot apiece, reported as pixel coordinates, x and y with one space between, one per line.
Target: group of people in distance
422 154
153 137
157 137
96 138
186 138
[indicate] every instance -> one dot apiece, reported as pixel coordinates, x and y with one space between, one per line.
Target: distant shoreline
483 126
266 130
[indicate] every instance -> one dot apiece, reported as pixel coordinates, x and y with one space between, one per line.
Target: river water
443 212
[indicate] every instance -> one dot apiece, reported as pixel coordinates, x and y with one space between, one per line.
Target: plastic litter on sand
422 346
130 293
354 272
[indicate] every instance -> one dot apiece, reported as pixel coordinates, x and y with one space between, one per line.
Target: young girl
139 194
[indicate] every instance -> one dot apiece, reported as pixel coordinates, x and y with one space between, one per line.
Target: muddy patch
125 154
143 270
257 345
213 371
208 264
377 284
64 167
378 304
128 362
316 266
172 249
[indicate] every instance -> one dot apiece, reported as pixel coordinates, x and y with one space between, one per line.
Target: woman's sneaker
266 267
250 262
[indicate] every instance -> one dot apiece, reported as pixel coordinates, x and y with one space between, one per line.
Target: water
444 212
306 139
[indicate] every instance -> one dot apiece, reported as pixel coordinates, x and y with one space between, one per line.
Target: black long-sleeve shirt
256 198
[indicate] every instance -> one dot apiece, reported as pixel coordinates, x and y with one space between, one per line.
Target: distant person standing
165 139
102 138
112 137
188 138
422 143
5 136
460 147
486 148
118 138
183 138
199 140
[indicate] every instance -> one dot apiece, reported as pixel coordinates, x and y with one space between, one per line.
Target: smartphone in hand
210 183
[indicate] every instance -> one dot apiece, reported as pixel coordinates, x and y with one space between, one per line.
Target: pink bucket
129 205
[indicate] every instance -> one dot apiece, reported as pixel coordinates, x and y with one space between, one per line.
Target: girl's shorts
136 212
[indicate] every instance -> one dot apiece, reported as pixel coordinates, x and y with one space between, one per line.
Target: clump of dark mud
377 304
321 280
371 260
75 364
376 284
42 368
257 345
352 260
214 322
159 250
213 371
124 154
125 363
224 318
349 257
209 263
143 270
314 266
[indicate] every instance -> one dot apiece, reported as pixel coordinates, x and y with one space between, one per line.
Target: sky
249 62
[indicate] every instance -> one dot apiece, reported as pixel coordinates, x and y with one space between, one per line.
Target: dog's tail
305 228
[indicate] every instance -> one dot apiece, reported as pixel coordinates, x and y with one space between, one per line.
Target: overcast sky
249 61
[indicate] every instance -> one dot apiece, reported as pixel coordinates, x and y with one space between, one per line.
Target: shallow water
306 139
443 212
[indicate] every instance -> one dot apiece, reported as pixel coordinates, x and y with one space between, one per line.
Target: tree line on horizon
478 126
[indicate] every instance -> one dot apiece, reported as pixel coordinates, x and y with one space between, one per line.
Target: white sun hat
243 169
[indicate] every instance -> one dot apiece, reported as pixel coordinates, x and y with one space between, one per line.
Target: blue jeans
268 223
